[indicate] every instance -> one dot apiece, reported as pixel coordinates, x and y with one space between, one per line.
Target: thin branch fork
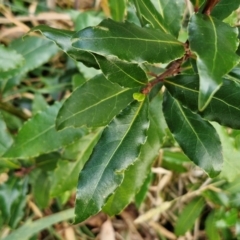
209 6
173 68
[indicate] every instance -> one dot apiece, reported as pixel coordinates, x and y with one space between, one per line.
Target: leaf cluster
152 90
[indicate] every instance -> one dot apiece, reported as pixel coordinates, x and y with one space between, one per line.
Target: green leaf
126 74
38 136
188 216
224 107
9 60
66 174
5 139
29 228
118 148
175 161
62 38
231 155
94 104
39 103
36 52
211 229
117 9
147 11
142 193
47 162
41 190
224 8
13 200
136 174
171 14
215 44
139 44
197 138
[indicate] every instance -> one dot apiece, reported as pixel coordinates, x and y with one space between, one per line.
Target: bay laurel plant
158 64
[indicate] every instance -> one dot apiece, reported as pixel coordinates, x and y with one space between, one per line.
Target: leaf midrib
190 125
134 79
46 130
195 91
94 105
74 40
156 20
133 120
215 44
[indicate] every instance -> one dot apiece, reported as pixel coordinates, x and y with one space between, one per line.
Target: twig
8 15
13 110
172 69
209 6
50 16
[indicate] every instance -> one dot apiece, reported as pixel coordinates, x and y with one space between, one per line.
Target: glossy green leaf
109 38
136 174
231 164
188 216
215 44
62 38
224 8
197 138
29 228
161 14
9 60
126 74
36 51
5 137
66 174
117 9
211 229
147 11
38 135
94 104
171 14
118 148
224 107
13 200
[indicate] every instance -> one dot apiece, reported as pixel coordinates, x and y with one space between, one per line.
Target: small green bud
139 96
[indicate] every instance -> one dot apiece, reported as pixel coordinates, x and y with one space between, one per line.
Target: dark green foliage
101 133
